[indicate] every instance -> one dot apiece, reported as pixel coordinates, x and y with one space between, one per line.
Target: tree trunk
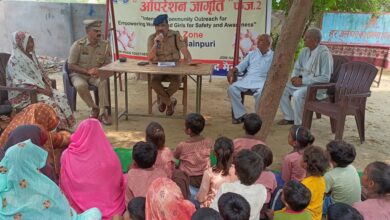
281 65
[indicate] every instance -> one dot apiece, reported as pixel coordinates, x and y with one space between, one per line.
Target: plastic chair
70 90
351 91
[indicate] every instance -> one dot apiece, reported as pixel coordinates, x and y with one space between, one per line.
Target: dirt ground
216 109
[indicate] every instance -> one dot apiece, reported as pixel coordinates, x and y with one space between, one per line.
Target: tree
321 6
281 65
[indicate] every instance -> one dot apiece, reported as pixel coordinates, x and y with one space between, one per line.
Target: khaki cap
95 24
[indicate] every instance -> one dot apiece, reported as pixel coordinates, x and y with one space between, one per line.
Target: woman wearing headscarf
91 173
28 194
24 71
37 135
164 201
44 116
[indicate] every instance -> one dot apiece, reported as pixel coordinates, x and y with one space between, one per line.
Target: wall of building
54 26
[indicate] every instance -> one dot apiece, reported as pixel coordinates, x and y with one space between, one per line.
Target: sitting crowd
314 183
48 173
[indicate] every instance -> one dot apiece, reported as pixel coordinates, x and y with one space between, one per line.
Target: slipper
105 119
285 122
238 120
171 108
94 113
162 107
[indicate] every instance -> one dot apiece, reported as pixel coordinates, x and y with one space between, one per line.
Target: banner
209 26
359 28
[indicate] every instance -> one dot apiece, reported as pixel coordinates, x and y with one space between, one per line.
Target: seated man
86 56
314 65
256 64
166 45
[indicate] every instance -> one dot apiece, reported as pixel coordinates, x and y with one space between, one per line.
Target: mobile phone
142 63
122 59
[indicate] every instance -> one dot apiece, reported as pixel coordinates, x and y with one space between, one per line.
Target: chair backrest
66 68
4 57
337 62
355 77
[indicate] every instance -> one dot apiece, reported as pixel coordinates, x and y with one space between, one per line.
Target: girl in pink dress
214 176
376 182
155 134
299 138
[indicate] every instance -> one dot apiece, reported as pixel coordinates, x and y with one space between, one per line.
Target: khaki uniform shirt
170 46
84 55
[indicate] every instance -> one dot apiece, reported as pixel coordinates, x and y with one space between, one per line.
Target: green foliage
321 6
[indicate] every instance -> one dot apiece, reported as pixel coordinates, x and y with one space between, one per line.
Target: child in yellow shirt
315 162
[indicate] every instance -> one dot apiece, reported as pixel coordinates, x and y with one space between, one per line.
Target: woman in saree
164 201
28 194
91 173
37 135
24 71
44 116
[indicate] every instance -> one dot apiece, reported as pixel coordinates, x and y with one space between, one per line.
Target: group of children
165 184
313 182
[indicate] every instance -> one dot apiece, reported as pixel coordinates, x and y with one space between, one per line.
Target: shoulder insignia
82 41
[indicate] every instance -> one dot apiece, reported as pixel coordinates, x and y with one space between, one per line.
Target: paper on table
166 64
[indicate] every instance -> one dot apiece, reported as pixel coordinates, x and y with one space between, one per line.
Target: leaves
321 6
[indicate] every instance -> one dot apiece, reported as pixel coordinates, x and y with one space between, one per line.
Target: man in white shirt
256 64
314 65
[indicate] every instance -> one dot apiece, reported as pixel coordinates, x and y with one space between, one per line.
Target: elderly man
256 65
314 65
166 45
86 56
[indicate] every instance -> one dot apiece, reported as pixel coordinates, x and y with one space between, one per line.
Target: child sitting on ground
341 211
155 134
376 182
299 138
206 214
296 198
194 153
248 165
342 182
223 172
252 125
315 162
267 178
233 206
135 209
143 173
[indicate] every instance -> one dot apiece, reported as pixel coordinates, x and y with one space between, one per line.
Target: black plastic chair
71 91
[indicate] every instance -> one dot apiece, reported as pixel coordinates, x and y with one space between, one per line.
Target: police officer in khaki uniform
86 56
166 45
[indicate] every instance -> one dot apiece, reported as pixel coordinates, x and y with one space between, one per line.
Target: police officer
86 56
166 45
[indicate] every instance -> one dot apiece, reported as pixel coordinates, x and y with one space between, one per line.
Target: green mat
126 156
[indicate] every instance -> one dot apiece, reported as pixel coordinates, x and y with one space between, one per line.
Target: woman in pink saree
91 174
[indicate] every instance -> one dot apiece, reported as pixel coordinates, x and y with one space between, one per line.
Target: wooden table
130 66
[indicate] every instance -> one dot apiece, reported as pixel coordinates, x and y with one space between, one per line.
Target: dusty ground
216 109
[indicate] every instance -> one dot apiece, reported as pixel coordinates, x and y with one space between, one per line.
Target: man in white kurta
314 65
256 64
